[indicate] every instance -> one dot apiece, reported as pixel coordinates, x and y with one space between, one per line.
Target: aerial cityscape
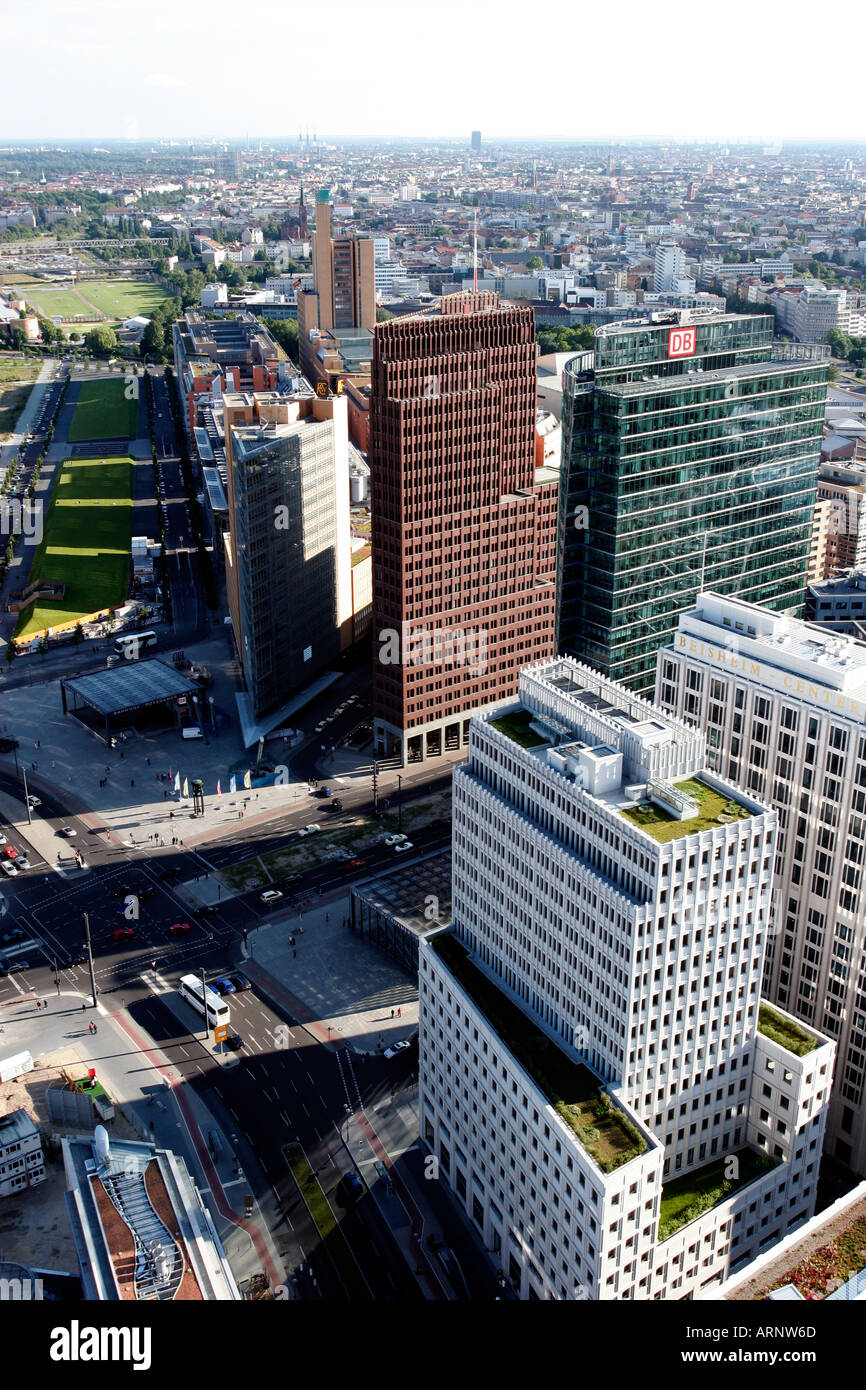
432 709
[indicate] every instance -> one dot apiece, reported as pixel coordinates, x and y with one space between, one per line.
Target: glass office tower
690 461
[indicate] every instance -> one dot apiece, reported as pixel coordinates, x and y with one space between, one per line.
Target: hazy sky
97 68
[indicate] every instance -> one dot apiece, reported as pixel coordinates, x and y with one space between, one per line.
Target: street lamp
348 1111
399 802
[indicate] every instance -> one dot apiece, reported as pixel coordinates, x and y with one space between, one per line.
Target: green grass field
86 542
103 412
119 299
19 369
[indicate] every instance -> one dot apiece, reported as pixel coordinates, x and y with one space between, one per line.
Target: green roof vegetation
715 809
516 726
606 1133
687 1197
785 1031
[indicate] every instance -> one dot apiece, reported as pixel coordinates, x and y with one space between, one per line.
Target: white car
394 839
69 832
403 846
23 862
2 839
320 726
8 868
33 801
396 1049
309 829
270 896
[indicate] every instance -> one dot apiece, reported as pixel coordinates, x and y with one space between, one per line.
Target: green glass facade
682 474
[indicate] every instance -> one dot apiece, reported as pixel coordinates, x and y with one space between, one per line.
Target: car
223 985
10 851
179 929
354 864
394 839
69 832
397 1048
33 802
270 896
207 909
325 791
240 982
23 862
8 868
2 839
147 891
122 892
349 1188
171 873
289 880
403 847
308 829
320 726
234 1042
80 958
13 967
16 934
123 933
335 805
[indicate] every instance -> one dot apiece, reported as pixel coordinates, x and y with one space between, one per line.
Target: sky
96 69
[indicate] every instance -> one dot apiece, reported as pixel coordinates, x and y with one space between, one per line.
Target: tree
535 263
101 340
284 332
561 338
18 337
383 315
153 338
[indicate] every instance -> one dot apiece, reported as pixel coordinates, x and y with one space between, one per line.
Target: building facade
464 525
783 705
288 550
343 297
21 1161
690 452
591 1030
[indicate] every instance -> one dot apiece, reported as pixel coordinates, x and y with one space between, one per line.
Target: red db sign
681 342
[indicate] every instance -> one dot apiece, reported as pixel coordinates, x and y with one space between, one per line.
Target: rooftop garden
829 1267
715 809
785 1031
516 726
606 1133
688 1197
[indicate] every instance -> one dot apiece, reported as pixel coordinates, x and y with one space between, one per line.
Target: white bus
190 989
132 643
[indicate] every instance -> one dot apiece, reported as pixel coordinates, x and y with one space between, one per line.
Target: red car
354 864
122 934
179 929
10 851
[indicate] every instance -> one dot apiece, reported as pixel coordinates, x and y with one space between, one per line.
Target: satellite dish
103 1150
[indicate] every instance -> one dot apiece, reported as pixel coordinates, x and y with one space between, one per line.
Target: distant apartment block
236 354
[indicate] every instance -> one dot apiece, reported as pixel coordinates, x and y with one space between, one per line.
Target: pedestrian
83 1008
399 1013
45 1003
327 916
38 1005
132 781
392 1013
147 760
121 752
294 953
171 815
180 842
108 769
164 793
34 766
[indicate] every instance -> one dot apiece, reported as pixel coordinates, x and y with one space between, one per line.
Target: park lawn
123 299
103 412
86 542
20 369
47 301
13 398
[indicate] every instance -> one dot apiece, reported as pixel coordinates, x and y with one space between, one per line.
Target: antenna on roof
475 255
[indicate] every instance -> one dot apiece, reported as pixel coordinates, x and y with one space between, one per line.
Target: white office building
783 705
590 1036
670 266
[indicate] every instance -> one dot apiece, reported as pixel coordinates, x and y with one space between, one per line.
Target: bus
190 989
134 642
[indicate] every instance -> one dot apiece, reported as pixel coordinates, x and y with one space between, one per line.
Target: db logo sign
681 342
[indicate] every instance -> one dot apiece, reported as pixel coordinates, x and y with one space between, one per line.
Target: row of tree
851 349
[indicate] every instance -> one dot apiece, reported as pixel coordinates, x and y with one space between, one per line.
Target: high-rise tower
690 459
464 525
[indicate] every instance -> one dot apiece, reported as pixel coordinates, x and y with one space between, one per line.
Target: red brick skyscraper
464 533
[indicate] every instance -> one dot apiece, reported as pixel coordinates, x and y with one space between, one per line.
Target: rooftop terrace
575 1092
715 809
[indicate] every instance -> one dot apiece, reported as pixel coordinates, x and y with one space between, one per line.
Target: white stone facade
640 959
783 705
